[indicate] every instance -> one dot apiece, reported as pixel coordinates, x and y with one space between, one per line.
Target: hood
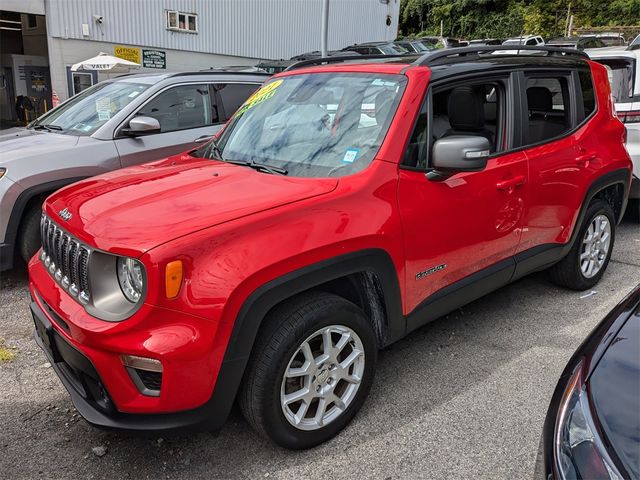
21 143
132 210
615 389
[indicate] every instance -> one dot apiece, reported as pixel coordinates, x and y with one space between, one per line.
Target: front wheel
587 260
311 371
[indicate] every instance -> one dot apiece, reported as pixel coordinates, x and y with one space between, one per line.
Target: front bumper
86 354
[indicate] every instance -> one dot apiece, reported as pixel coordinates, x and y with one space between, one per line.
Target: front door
470 222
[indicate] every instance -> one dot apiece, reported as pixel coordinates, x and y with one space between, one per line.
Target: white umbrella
104 62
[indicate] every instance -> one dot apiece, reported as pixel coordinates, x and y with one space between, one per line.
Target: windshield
314 125
90 109
390 49
620 73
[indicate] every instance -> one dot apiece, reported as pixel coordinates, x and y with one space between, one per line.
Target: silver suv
128 120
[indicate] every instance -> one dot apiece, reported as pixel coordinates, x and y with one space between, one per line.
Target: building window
182 22
32 22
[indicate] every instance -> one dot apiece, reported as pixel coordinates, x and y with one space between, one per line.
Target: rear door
471 222
555 169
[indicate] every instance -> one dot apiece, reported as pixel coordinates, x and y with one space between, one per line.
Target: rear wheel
587 260
311 371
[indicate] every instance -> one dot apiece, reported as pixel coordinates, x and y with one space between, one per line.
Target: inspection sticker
350 155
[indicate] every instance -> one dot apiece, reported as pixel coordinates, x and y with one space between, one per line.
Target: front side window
547 108
84 113
182 107
314 125
474 109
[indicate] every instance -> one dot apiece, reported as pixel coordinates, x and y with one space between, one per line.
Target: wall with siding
247 28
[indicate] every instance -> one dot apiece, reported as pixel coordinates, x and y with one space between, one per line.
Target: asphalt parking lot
463 397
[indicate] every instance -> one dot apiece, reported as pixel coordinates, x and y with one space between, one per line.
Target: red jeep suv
344 205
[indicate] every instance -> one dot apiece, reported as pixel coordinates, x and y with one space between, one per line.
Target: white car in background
624 76
526 40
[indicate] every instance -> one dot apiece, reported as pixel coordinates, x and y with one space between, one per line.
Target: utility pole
566 24
441 28
325 28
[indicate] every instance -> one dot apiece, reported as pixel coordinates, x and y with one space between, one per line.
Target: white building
173 35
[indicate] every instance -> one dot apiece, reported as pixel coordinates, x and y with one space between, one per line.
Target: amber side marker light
173 278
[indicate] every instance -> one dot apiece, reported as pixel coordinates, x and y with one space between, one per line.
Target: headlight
131 278
578 450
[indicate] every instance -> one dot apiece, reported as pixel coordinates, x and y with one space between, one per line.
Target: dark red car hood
132 210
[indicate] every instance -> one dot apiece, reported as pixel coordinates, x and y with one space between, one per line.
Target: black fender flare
263 299
13 225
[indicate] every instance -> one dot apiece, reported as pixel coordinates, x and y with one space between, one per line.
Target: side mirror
142 125
459 153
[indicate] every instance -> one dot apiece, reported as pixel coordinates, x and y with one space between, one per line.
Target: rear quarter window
588 92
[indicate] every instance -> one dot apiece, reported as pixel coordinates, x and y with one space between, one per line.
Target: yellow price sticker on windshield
260 96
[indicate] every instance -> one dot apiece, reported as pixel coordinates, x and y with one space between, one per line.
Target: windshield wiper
261 167
49 127
213 144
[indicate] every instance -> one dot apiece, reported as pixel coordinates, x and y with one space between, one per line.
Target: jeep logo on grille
65 214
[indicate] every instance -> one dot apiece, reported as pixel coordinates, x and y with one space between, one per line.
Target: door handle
202 139
511 183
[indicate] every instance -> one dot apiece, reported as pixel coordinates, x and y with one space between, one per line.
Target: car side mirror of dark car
458 153
142 125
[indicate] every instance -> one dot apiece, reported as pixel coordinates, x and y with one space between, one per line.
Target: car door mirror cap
142 125
459 153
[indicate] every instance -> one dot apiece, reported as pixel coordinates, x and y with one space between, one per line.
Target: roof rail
337 59
429 57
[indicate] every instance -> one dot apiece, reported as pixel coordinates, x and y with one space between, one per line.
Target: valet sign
154 59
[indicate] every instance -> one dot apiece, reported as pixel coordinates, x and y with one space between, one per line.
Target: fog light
142 363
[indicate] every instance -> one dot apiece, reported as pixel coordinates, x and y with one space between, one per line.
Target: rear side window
232 95
547 108
180 108
588 93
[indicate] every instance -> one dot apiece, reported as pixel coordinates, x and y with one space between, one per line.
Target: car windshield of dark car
390 49
313 125
84 113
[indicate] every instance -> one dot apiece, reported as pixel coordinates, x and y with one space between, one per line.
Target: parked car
610 39
624 76
486 41
271 264
592 429
435 43
317 54
274 66
579 43
129 120
635 43
377 48
526 40
413 46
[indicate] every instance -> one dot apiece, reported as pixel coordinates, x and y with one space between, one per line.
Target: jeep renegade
345 204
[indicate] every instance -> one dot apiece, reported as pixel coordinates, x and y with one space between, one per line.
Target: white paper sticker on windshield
350 155
103 104
133 94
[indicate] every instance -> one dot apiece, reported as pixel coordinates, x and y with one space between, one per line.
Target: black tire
567 273
29 234
285 329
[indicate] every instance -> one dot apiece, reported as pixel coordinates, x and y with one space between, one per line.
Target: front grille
67 260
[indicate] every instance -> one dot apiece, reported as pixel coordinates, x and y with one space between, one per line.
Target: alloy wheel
595 246
322 377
